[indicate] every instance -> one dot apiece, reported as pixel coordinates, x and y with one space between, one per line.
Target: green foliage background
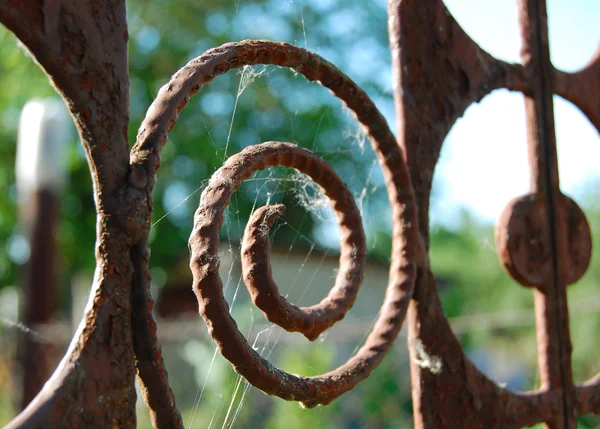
282 106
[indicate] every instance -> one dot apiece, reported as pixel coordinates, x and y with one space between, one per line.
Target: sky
484 159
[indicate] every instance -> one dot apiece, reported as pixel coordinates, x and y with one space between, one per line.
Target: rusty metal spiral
407 250
310 321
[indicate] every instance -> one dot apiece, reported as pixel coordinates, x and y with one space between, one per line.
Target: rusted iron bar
543 238
552 312
588 396
430 50
582 88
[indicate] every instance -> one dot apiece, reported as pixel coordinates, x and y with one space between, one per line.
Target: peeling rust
543 238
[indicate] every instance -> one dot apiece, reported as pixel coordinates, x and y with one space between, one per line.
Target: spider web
220 396
301 265
318 248
269 187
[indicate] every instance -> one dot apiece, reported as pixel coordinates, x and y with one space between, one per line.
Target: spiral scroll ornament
407 250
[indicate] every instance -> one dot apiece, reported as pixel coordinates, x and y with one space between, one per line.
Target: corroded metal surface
204 242
523 244
314 320
543 238
407 249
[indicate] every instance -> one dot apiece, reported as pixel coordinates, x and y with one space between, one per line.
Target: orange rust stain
87 84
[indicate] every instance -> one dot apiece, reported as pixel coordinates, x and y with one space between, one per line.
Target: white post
44 131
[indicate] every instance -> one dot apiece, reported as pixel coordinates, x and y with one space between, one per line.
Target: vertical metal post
552 312
43 133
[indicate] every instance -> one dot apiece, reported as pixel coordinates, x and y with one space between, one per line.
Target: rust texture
551 307
154 381
543 238
76 42
204 242
407 250
314 320
582 88
523 245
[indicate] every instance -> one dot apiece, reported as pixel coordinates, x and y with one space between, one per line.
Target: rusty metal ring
408 251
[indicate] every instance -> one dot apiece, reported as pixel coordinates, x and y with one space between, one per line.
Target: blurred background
47 218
